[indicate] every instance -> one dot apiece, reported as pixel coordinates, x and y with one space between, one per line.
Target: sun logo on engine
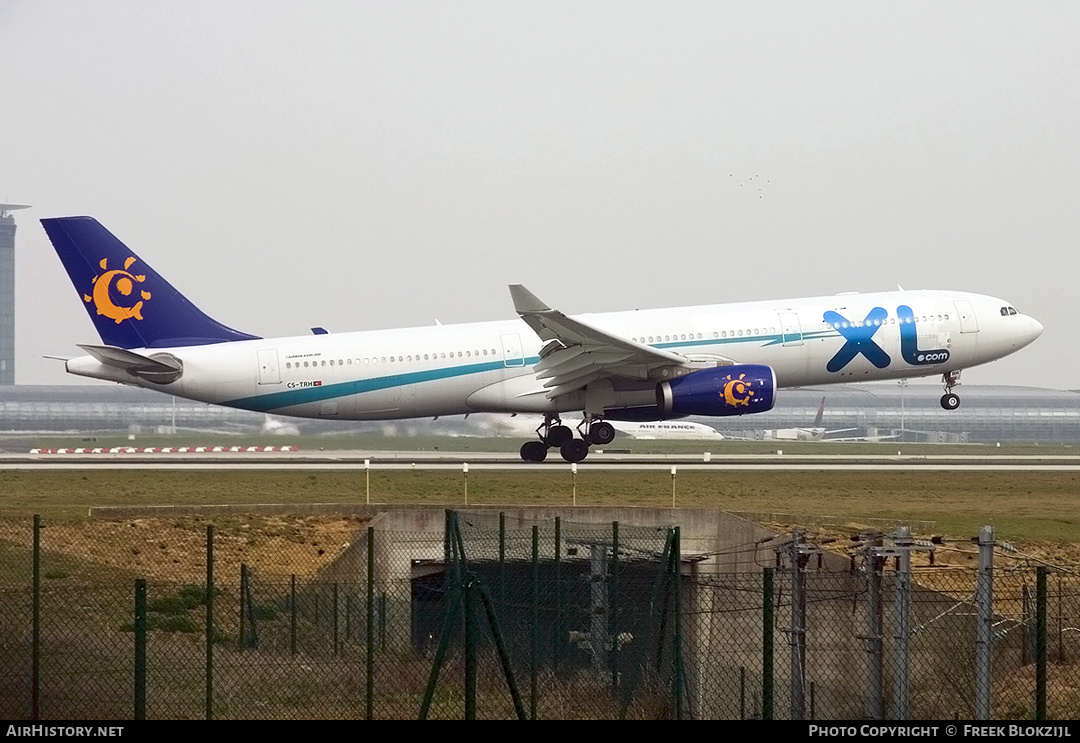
124 283
737 391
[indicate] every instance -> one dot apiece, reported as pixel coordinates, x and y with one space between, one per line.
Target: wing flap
577 354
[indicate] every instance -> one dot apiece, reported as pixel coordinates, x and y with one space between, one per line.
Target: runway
479 461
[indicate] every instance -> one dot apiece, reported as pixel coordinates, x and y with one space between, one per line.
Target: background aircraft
817 432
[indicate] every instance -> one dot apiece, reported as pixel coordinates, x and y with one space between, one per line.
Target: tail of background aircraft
820 414
129 303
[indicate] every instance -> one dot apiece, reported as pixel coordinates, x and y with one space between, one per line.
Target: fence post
370 672
502 563
209 622
613 605
1028 625
348 616
292 613
560 620
1040 644
742 692
337 611
903 543
242 639
984 609
797 640
676 563
140 649
1063 657
35 612
875 631
535 624
470 597
767 643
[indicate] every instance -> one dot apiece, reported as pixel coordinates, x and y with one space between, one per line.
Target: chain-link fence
551 620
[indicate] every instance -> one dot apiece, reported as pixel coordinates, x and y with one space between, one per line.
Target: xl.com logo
859 340
909 341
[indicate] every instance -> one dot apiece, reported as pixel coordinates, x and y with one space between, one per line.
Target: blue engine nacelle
725 390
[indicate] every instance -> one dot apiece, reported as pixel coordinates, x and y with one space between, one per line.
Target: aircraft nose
1035 330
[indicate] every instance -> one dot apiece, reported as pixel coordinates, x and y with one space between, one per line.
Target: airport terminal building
987 414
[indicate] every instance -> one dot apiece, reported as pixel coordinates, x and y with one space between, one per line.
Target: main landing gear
553 434
950 401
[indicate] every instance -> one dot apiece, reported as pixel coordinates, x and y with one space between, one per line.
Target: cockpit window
1006 311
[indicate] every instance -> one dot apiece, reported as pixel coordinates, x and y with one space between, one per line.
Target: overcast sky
368 165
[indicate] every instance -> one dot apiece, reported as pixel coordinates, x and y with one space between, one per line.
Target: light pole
903 387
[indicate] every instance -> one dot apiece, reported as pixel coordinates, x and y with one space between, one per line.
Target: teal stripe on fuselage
765 340
288 398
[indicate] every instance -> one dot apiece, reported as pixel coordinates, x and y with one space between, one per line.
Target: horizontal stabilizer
161 367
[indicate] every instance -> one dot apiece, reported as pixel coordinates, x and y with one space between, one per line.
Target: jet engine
725 390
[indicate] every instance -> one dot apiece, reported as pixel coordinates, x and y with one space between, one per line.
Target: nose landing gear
950 400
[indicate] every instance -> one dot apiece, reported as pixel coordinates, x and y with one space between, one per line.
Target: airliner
668 430
671 429
641 365
816 432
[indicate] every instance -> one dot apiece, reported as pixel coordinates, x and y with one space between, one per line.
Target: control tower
7 292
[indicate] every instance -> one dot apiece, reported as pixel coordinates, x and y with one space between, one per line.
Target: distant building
987 414
7 293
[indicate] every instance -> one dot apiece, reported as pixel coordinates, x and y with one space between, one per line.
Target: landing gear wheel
574 450
601 433
559 435
949 401
533 451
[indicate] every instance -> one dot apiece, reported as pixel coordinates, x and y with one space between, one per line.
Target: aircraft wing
576 354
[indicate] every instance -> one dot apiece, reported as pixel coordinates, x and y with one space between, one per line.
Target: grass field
357 442
1023 507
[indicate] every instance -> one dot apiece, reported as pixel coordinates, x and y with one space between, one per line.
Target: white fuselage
488 366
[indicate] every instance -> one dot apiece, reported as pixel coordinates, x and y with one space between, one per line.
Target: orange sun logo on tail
124 283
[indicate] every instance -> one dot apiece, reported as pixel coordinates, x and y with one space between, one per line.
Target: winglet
525 302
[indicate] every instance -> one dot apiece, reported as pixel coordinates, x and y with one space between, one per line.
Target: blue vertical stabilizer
129 303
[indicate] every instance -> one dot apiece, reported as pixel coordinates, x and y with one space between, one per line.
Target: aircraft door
269 371
511 347
968 321
791 328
